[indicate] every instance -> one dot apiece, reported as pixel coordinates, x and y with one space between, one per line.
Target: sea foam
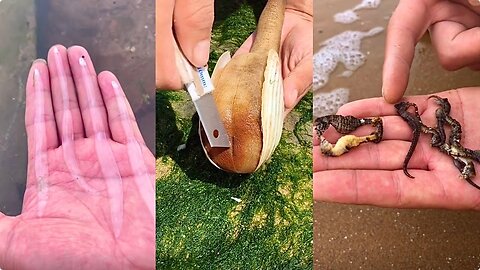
343 48
350 15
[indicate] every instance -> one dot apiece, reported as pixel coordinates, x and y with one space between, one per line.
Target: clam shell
272 108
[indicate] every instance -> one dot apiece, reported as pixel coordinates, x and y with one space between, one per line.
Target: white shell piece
272 107
221 63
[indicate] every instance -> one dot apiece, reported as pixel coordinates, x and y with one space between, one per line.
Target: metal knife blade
198 84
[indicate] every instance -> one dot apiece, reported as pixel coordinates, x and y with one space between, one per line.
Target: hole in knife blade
215 133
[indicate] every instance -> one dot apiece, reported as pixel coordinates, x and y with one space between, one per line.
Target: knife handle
196 80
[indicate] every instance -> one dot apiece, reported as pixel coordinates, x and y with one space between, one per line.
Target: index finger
409 22
378 107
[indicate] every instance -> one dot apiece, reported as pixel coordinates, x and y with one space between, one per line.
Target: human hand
89 201
190 23
296 51
454 31
372 173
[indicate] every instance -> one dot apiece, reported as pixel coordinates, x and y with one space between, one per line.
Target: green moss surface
200 222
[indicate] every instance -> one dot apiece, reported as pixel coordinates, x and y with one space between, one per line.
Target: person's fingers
386 155
297 82
453 43
378 107
39 116
246 45
395 189
367 108
409 22
121 119
92 107
65 103
193 21
453 30
166 76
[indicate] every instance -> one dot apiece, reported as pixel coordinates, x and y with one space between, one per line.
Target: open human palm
372 173
72 218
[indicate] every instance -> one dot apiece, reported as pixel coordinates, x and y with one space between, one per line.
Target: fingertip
290 97
38 65
106 76
76 48
392 95
57 48
109 84
76 52
395 80
39 61
387 97
200 53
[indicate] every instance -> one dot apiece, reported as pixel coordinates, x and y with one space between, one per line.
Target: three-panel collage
239 134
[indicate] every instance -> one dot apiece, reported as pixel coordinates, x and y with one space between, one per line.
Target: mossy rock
210 219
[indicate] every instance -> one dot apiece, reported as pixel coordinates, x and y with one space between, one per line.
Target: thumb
297 82
193 20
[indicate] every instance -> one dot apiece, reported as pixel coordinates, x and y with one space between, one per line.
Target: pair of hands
191 23
372 174
75 229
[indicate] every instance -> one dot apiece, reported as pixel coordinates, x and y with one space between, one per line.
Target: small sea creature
462 157
415 123
345 125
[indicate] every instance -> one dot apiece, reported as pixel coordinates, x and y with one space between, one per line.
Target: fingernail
40 60
201 53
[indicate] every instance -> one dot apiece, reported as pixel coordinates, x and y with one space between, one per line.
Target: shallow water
363 237
119 36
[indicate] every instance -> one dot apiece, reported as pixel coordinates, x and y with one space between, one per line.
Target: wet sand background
17 50
365 237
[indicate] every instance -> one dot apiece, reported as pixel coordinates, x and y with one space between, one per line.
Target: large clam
249 97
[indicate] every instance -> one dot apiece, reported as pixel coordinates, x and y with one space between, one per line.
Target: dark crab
345 125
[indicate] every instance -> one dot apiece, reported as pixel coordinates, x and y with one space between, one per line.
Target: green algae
201 224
